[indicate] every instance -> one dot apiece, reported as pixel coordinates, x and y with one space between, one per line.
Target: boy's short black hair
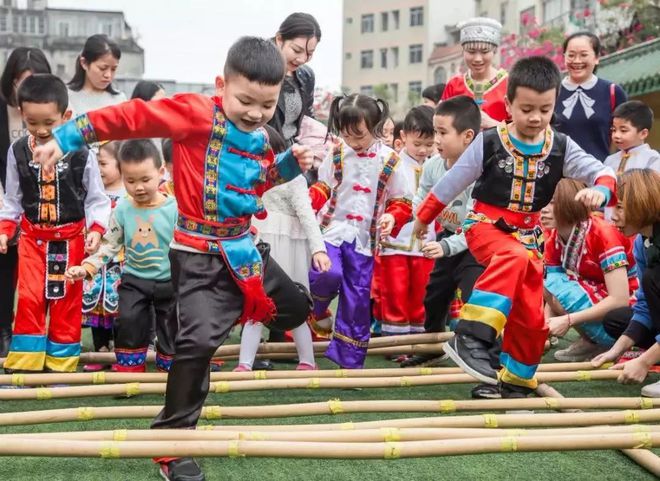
537 73
464 112
135 151
434 92
396 133
419 120
257 59
44 88
636 112
166 147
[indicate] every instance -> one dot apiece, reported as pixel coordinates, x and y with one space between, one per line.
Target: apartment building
387 45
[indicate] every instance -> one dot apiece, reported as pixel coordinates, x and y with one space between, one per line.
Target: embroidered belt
215 229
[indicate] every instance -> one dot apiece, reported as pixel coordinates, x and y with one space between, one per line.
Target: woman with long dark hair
297 37
91 86
22 62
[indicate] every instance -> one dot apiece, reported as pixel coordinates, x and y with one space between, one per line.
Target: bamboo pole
133 389
388 450
150 377
357 436
508 421
287 347
333 406
645 458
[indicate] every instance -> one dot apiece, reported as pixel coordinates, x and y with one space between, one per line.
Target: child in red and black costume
516 167
222 164
62 213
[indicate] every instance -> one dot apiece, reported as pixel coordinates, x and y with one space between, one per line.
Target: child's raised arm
586 168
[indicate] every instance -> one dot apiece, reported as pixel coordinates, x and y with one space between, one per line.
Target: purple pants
350 277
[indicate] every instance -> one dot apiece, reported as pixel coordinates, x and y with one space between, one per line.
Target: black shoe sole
453 355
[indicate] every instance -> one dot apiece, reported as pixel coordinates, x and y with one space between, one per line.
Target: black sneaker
511 391
429 360
182 469
486 391
472 356
263 365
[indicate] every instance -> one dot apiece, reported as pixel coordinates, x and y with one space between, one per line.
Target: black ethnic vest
57 199
518 182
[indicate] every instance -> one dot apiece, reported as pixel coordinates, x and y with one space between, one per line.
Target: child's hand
386 225
321 262
304 156
92 242
433 250
4 239
75 273
47 155
420 230
592 198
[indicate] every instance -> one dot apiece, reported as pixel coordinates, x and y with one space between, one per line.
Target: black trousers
449 273
8 265
138 300
209 303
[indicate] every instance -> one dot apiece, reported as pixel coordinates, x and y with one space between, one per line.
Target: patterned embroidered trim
86 129
212 159
531 239
383 179
479 89
338 163
349 340
571 254
222 230
55 281
622 163
131 357
524 169
613 259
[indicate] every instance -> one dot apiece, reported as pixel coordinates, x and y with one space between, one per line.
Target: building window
367 59
63 29
107 29
415 53
525 17
42 25
414 92
383 58
416 16
367 90
23 24
551 10
384 21
32 25
504 6
395 57
368 23
394 88
348 56
3 23
349 20
395 19
14 23
60 70
439 75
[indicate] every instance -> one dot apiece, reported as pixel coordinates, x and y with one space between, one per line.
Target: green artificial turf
564 466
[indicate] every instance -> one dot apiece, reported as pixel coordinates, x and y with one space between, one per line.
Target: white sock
250 340
302 336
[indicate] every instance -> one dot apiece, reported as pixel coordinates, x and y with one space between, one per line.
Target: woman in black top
22 63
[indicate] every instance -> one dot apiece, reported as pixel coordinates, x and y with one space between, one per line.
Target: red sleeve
319 194
609 183
448 92
174 118
551 254
8 227
429 209
402 213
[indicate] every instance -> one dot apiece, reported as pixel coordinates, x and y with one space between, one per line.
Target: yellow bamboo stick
150 377
333 406
388 450
133 389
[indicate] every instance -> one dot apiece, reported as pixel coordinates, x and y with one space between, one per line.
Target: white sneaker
581 350
651 390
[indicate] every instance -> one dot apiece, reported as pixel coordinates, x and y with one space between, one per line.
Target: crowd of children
508 233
